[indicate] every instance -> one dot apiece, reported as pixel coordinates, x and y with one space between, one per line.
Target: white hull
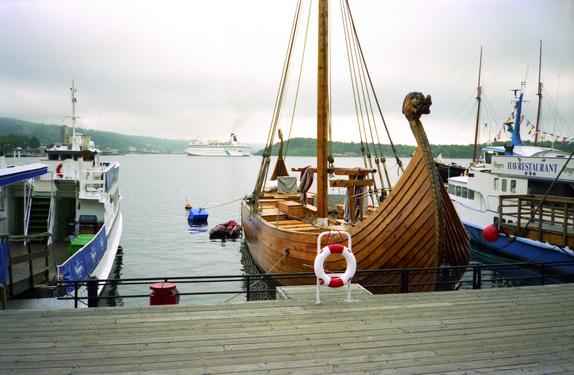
216 148
104 267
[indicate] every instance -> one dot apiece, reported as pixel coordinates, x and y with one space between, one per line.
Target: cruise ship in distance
216 148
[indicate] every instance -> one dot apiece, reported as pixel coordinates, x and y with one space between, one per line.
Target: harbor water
157 239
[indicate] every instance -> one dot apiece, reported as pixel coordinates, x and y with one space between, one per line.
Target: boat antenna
539 96
478 101
74 100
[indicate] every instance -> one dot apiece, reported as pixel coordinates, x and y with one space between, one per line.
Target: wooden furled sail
413 225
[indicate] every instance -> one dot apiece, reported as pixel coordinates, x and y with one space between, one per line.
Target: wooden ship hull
412 228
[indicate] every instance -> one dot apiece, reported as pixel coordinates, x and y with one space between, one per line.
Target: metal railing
218 289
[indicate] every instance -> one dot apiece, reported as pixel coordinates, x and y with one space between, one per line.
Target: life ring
59 170
335 281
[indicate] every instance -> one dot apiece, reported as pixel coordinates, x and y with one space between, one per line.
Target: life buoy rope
335 281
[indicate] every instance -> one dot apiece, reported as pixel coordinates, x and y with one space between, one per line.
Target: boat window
470 194
464 192
513 186
458 191
504 184
450 189
495 184
488 157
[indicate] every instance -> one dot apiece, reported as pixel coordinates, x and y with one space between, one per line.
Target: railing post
519 215
92 286
540 212
476 277
248 289
404 281
75 294
565 223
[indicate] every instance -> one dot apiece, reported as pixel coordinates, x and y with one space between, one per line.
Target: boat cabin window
504 184
495 187
461 191
513 186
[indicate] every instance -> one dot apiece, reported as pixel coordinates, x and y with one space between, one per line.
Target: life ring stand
59 170
334 281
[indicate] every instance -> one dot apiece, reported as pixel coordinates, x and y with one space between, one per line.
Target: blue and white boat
75 202
514 169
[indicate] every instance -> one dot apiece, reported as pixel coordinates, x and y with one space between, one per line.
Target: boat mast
539 96
478 100
73 92
322 113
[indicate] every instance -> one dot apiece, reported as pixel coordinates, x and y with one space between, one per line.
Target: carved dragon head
415 105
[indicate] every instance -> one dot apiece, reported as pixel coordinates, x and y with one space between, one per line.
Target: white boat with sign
216 148
515 188
73 208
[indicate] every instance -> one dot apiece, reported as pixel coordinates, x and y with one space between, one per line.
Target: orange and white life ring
335 281
59 170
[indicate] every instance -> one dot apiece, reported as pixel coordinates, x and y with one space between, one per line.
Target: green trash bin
79 242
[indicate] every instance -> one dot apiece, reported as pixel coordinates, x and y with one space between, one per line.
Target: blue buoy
197 215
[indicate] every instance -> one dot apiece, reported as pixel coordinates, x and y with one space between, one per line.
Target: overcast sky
200 69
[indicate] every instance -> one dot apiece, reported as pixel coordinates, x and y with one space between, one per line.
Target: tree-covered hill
306 147
47 134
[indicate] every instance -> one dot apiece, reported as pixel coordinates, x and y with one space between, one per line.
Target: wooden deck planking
492 330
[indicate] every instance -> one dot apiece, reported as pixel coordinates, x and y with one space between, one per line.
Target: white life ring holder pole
319 248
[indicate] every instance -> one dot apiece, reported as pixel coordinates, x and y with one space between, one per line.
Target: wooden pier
480 331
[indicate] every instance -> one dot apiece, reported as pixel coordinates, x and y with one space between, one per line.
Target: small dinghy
228 230
197 215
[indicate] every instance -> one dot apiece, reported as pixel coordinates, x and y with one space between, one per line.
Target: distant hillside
306 147
48 134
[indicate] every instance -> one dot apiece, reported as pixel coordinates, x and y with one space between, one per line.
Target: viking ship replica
411 225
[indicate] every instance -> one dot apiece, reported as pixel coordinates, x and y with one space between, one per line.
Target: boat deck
480 331
284 211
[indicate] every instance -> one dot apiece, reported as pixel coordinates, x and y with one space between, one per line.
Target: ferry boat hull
232 148
524 249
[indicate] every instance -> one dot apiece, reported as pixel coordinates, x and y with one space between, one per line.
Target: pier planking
491 330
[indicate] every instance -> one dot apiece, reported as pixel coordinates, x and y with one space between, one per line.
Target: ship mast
322 114
73 92
478 100
539 96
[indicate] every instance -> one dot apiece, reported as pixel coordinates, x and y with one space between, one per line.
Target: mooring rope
224 204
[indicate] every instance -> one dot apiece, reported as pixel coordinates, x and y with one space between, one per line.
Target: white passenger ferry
217 148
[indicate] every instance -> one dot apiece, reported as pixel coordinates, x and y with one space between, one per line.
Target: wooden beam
351 183
341 171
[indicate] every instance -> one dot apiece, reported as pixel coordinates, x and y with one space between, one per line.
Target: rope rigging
364 97
299 79
263 170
